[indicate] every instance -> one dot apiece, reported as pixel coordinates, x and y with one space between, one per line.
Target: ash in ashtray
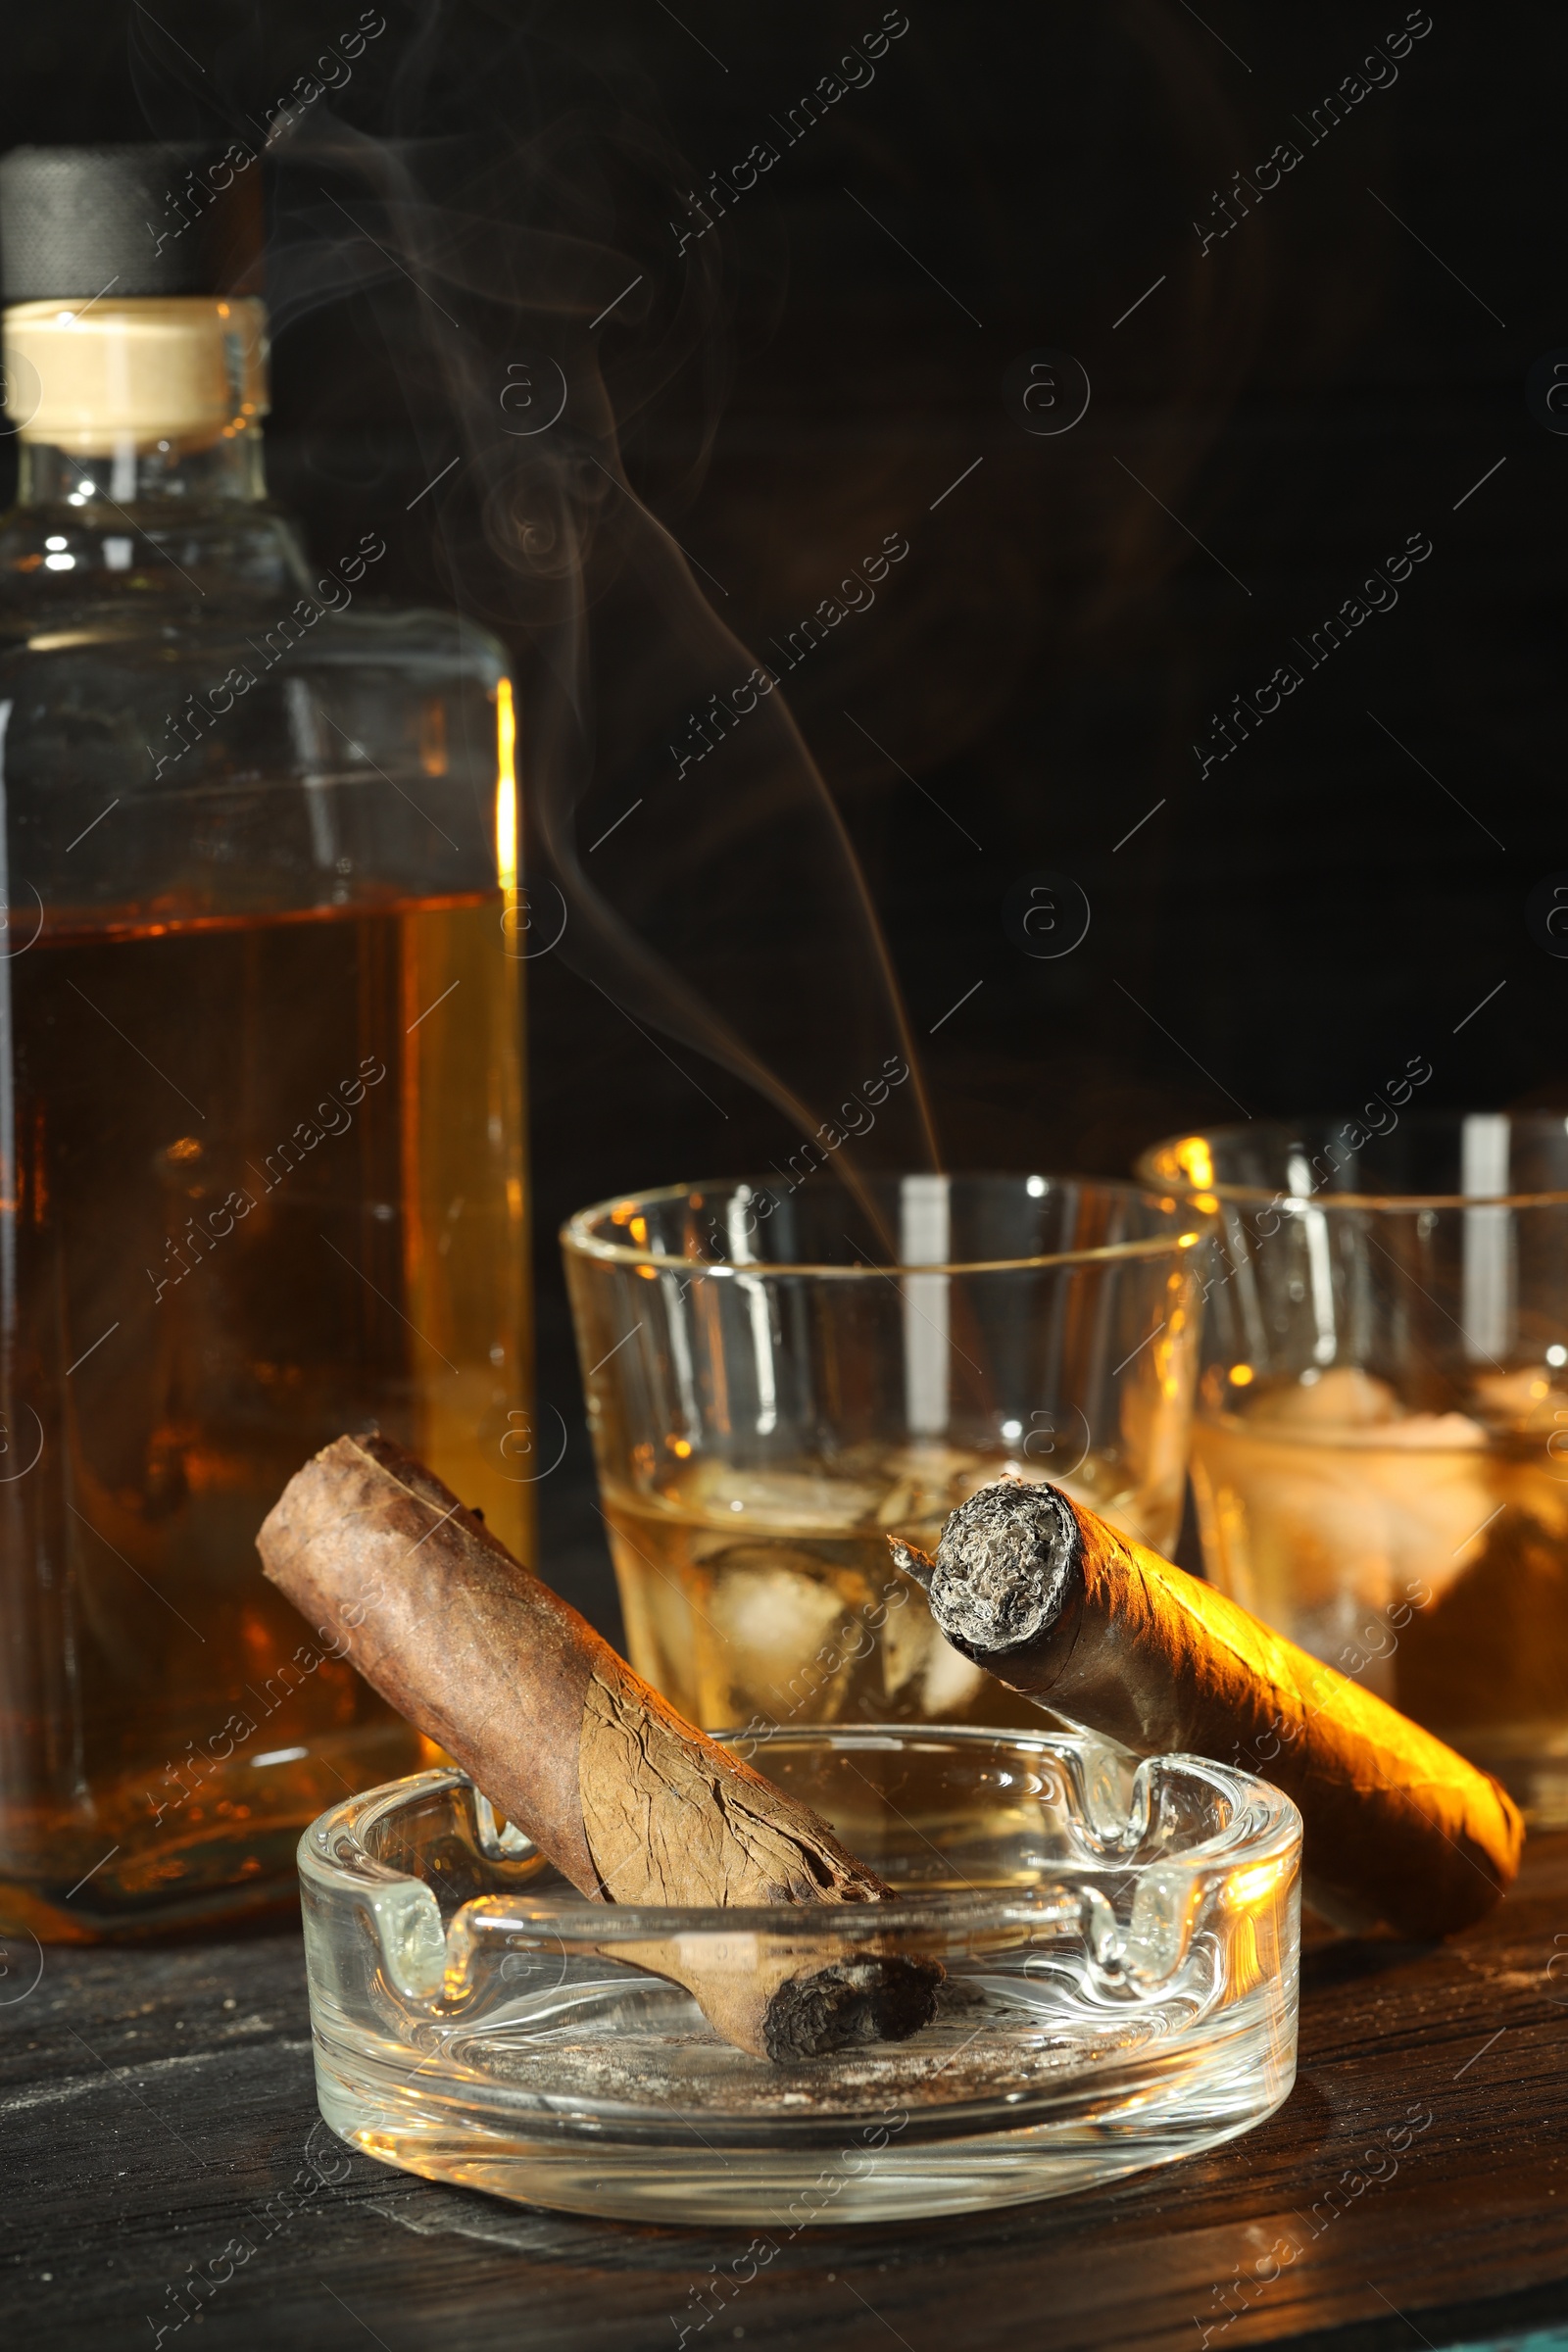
976 2050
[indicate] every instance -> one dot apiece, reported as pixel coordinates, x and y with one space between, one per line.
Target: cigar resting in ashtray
630 1802
1400 1830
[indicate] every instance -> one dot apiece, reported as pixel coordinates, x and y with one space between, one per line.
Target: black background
1339 372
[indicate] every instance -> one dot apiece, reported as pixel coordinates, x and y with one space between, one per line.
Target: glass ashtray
1119 1942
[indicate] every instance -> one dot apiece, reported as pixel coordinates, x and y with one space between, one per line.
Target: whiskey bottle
262 1173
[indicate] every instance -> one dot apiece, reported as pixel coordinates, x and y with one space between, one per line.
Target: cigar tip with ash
849 2002
1002 1574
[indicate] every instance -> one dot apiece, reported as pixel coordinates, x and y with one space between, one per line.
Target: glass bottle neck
230 471
147 518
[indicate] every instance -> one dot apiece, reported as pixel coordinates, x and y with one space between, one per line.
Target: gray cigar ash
1002 1573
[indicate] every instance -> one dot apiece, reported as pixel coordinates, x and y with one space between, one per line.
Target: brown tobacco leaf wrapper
1045 1596
630 1802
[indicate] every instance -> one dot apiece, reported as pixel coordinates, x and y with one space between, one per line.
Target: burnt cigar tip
1003 1568
850 2003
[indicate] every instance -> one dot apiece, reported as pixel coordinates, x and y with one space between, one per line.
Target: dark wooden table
156 2105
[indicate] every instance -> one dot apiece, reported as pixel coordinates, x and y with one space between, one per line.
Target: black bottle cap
79 222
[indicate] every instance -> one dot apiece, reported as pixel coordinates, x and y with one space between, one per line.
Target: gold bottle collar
93 378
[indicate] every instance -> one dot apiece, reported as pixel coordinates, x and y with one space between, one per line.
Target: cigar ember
1400 1830
630 1802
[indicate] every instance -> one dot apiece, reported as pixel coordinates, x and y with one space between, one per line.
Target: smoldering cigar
1053 1601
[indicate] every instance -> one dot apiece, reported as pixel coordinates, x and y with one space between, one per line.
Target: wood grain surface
152 2104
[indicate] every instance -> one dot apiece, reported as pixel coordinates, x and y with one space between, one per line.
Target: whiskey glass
1380 1444
779 1378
